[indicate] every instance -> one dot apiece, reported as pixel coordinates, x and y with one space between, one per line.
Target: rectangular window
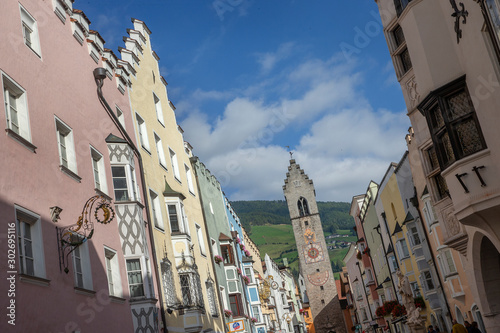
113 273
66 145
30 31
227 254
25 242
160 151
98 169
159 111
186 290
453 123
189 179
119 115
415 238
173 217
30 244
201 241
135 281
248 272
450 264
402 249
400 5
175 165
120 185
236 305
143 132
81 264
427 279
256 312
400 51
16 110
156 210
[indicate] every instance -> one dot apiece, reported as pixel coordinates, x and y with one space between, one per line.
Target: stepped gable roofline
169 192
408 218
155 56
397 229
134 20
224 238
94 32
297 166
79 11
164 82
137 44
133 32
111 138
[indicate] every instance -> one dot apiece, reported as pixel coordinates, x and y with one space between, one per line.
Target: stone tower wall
314 262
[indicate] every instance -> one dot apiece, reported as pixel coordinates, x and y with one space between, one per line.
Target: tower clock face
313 253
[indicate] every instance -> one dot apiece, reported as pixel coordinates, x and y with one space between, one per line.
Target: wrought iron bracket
476 170
457 15
71 237
459 177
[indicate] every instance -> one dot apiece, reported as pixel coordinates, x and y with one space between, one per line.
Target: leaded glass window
168 282
212 299
453 123
303 207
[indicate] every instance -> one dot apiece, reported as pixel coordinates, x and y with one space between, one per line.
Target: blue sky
249 78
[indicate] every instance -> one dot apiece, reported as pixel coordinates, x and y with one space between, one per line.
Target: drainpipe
99 76
415 203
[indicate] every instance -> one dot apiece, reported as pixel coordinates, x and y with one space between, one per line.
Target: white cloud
340 141
268 60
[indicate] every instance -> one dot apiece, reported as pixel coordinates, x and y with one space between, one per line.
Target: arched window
212 299
168 282
303 207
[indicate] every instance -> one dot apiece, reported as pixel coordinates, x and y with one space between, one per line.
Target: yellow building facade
188 288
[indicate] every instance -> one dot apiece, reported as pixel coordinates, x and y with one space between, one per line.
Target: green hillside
269 227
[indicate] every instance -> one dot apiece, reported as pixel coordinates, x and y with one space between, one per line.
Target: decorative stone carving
411 90
452 223
404 288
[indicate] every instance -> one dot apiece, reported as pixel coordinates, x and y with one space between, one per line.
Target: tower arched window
303 207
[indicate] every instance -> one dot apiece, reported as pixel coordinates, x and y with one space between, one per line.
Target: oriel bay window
192 295
124 183
453 123
227 254
135 281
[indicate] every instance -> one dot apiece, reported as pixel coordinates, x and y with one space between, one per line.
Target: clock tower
314 263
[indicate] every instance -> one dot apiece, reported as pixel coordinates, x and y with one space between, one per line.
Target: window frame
82 268
398 50
438 101
158 109
160 151
156 210
98 160
201 240
175 164
230 254
113 272
29 22
142 283
132 191
119 115
240 311
142 132
64 135
189 179
12 88
182 220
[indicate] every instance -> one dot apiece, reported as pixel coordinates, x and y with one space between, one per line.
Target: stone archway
490 272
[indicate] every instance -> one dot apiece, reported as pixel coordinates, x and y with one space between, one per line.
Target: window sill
116 299
83 291
164 167
449 276
192 193
142 299
21 140
177 179
146 149
34 51
128 202
34 280
159 229
70 173
101 193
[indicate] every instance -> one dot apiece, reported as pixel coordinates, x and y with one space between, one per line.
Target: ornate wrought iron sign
457 15
71 237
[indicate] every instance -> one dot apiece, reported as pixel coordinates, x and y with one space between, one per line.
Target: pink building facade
60 149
